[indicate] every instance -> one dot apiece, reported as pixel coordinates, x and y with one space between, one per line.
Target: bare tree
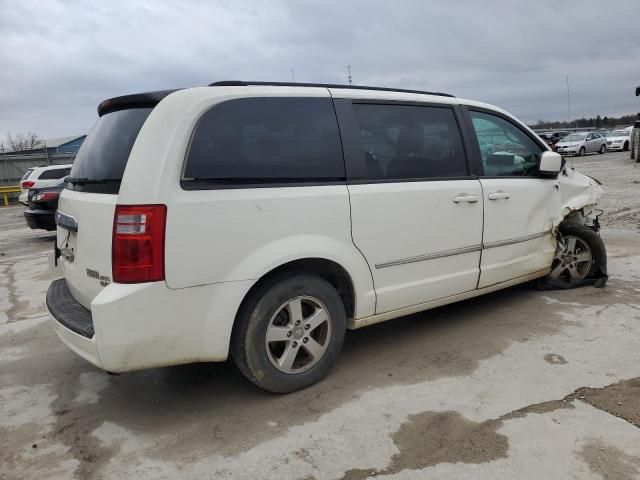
23 141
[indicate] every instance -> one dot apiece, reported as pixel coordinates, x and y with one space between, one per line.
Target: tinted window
506 150
54 173
103 155
408 142
266 140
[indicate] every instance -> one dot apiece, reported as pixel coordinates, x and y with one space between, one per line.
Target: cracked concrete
517 384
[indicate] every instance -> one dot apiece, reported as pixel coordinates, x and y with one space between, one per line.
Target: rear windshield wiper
85 180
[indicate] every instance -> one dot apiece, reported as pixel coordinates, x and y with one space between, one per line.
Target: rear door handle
498 196
463 197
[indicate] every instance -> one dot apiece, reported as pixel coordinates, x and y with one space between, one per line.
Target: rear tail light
27 184
137 248
45 196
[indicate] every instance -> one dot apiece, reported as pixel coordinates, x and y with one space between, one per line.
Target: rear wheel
581 152
289 333
626 146
580 254
603 149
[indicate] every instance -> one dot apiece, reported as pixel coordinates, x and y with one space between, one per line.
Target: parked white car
39 177
619 139
263 220
581 143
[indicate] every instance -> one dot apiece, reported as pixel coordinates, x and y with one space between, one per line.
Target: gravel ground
516 384
621 180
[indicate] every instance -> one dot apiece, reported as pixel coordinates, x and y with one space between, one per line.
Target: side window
506 150
403 142
252 141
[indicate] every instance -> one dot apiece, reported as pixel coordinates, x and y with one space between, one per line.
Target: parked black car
43 203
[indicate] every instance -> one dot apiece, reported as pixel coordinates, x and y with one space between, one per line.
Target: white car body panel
619 142
524 244
90 246
219 243
431 225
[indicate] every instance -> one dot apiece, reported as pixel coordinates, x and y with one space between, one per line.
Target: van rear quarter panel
242 234
236 234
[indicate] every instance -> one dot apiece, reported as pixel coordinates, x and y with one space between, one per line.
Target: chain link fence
13 166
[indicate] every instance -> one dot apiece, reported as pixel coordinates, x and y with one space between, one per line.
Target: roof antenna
349 73
293 78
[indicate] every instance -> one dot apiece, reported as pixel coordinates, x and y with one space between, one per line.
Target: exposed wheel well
328 270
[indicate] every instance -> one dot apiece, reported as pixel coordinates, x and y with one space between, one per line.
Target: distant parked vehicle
546 137
39 177
43 203
619 140
581 143
555 137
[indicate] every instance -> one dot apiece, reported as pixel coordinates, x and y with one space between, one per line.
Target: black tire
603 149
248 347
626 146
598 256
581 152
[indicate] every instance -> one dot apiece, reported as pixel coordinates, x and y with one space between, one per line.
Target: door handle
463 197
498 196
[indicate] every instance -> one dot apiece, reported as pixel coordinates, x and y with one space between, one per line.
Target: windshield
620 133
102 158
574 137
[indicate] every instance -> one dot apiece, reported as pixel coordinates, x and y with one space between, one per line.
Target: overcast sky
59 59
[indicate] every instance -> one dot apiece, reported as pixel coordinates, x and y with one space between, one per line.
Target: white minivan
261 220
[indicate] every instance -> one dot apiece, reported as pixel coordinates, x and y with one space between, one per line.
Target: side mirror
550 163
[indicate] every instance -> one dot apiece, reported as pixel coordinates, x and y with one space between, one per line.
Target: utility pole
349 73
569 100
293 78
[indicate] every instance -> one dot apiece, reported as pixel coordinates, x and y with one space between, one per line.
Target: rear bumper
72 322
137 326
40 219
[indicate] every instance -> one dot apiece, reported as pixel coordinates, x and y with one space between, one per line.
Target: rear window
102 158
54 174
26 174
265 141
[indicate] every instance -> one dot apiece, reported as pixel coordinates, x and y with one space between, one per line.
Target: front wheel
580 255
603 149
289 333
581 152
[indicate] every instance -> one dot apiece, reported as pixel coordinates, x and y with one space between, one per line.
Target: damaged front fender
579 194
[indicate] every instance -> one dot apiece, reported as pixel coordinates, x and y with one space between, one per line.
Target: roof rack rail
241 83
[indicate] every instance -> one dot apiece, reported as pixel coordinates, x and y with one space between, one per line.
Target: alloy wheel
573 260
298 334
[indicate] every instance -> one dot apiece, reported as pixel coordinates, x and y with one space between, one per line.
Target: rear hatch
87 205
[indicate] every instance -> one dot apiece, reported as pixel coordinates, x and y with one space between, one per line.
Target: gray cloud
61 58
